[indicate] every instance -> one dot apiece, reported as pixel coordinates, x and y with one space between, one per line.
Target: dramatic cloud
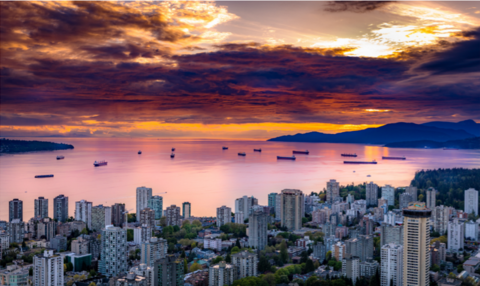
354 6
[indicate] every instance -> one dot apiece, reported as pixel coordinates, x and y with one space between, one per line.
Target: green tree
217 259
195 266
269 278
283 252
263 264
185 266
235 250
92 284
228 259
309 267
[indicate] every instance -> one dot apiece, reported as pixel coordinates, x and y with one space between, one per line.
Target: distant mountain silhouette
395 132
469 126
470 143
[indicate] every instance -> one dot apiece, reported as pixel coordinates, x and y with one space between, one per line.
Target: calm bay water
201 172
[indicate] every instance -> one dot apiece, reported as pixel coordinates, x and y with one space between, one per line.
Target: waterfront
201 172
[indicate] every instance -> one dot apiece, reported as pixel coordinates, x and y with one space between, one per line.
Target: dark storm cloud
354 6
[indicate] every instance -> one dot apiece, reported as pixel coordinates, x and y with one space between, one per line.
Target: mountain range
394 132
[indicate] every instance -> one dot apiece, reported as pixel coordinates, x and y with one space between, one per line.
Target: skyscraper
239 218
333 191
41 208
46 228
143 196
147 217
351 268
83 212
416 244
404 199
15 210
456 235
391 234
60 208
101 217
471 201
156 204
431 198
291 209
221 274
245 204
118 216
16 229
441 216
272 200
169 271
388 192
173 215
257 230
186 210
48 269
153 250
413 192
371 193
114 251
392 265
224 215
245 264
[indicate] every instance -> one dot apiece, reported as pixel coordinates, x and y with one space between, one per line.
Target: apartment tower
371 194
15 210
60 208
186 210
143 197
41 207
333 191
292 209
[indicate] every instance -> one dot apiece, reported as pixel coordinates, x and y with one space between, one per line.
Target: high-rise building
41 208
15 210
118 214
272 200
371 193
404 199
245 204
431 198
15 230
48 269
333 191
320 251
416 244
114 251
339 250
173 215
257 230
186 210
59 243
239 218
169 271
319 216
291 209
392 265
101 217
221 274
46 228
388 192
471 230
245 264
153 250
143 197
60 208
351 268
456 235
471 201
147 217
441 216
156 204
361 247
391 234
83 212
413 192
369 268
80 246
224 215
142 234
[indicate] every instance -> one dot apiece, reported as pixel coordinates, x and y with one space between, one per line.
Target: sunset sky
245 70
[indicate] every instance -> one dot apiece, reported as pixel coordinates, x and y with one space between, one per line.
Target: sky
243 70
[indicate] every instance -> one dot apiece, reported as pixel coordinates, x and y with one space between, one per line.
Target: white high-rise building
371 193
16 230
245 204
392 265
471 230
224 215
292 208
41 208
257 230
239 218
333 191
245 264
101 217
83 212
221 274
48 269
456 235
351 268
153 250
173 215
142 234
431 198
441 216
143 197
471 201
114 251
388 192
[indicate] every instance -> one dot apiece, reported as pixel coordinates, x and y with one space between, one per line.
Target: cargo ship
242 154
101 163
60 157
301 152
257 150
172 155
393 158
286 158
44 176
224 148
173 149
139 152
349 155
360 162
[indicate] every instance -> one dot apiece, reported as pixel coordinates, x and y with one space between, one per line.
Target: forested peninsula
19 146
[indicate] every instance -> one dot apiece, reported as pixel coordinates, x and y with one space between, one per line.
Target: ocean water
201 172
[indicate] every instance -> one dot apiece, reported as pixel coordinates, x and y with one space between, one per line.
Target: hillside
469 126
18 146
470 143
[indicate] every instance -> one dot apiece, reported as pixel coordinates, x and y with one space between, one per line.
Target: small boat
242 154
101 163
393 158
172 155
301 152
360 162
368 176
286 158
173 149
349 155
224 148
257 150
60 157
139 152
44 176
